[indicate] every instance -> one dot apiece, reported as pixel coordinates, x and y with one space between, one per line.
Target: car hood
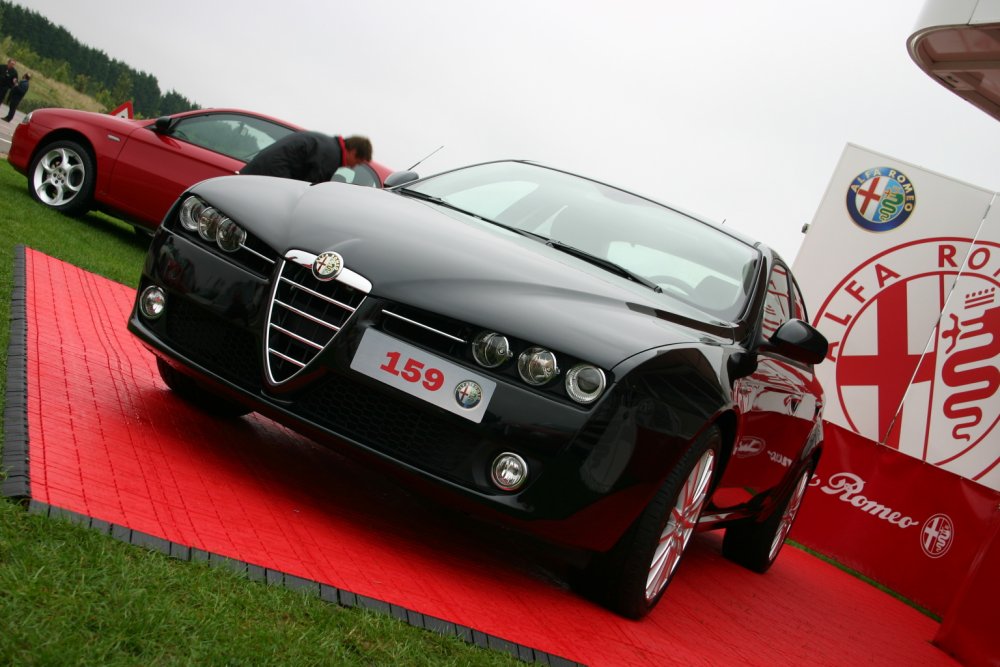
418 253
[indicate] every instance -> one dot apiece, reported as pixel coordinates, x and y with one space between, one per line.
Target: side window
239 137
798 303
360 174
777 304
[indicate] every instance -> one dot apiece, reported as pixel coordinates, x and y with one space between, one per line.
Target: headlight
584 383
537 366
197 216
490 349
208 223
229 235
190 212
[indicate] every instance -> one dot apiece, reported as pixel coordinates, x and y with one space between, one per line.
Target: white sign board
901 267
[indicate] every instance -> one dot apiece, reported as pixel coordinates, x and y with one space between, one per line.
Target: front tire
755 546
632 577
192 392
61 176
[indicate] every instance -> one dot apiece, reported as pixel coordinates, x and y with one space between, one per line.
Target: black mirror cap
741 365
398 178
799 341
163 124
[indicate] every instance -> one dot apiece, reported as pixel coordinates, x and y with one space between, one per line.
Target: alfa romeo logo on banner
951 381
881 199
937 535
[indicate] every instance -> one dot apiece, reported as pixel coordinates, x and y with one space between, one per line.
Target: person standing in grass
17 93
9 79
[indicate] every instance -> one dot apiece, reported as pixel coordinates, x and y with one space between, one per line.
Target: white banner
901 268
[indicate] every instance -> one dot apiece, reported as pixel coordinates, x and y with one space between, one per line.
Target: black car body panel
438 277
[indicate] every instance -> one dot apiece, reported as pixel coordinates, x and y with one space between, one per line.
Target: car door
778 405
156 166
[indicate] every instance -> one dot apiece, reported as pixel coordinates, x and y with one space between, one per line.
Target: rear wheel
632 577
192 392
61 176
756 545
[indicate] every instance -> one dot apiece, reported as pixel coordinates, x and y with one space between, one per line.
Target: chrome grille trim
318 295
305 314
288 359
254 252
424 326
297 337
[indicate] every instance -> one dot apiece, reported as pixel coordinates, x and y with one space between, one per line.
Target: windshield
684 257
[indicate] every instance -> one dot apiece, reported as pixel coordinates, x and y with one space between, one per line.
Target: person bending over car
309 156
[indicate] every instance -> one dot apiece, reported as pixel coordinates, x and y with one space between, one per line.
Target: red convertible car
76 161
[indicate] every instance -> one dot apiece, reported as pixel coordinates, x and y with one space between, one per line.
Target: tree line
35 41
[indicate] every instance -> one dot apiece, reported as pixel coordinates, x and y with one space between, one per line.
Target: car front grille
304 317
438 443
214 343
256 256
443 335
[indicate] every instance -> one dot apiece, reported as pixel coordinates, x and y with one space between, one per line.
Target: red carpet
111 446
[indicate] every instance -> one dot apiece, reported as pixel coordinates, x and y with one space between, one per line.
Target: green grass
70 595
48 92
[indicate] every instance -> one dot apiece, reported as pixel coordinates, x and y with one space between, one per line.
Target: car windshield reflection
682 256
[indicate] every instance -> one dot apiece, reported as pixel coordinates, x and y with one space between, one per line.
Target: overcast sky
732 109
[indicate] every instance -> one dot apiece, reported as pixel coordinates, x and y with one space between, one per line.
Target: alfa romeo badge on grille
327 265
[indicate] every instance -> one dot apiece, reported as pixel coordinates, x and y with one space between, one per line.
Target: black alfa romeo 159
583 363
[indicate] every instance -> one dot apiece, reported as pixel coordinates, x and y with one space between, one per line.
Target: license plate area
423 374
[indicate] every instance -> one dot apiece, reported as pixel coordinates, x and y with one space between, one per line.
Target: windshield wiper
603 263
416 194
552 243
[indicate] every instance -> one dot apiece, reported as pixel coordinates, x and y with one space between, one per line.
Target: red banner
969 629
905 523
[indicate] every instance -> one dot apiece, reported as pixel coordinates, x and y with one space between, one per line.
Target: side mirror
163 124
397 178
798 341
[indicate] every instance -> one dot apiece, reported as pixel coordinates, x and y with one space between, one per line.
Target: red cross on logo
869 195
892 367
936 535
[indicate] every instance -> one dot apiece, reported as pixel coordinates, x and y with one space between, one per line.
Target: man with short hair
309 156
9 79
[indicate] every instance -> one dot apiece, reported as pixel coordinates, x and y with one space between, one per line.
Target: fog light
509 471
584 383
152 302
537 366
230 236
208 223
490 349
